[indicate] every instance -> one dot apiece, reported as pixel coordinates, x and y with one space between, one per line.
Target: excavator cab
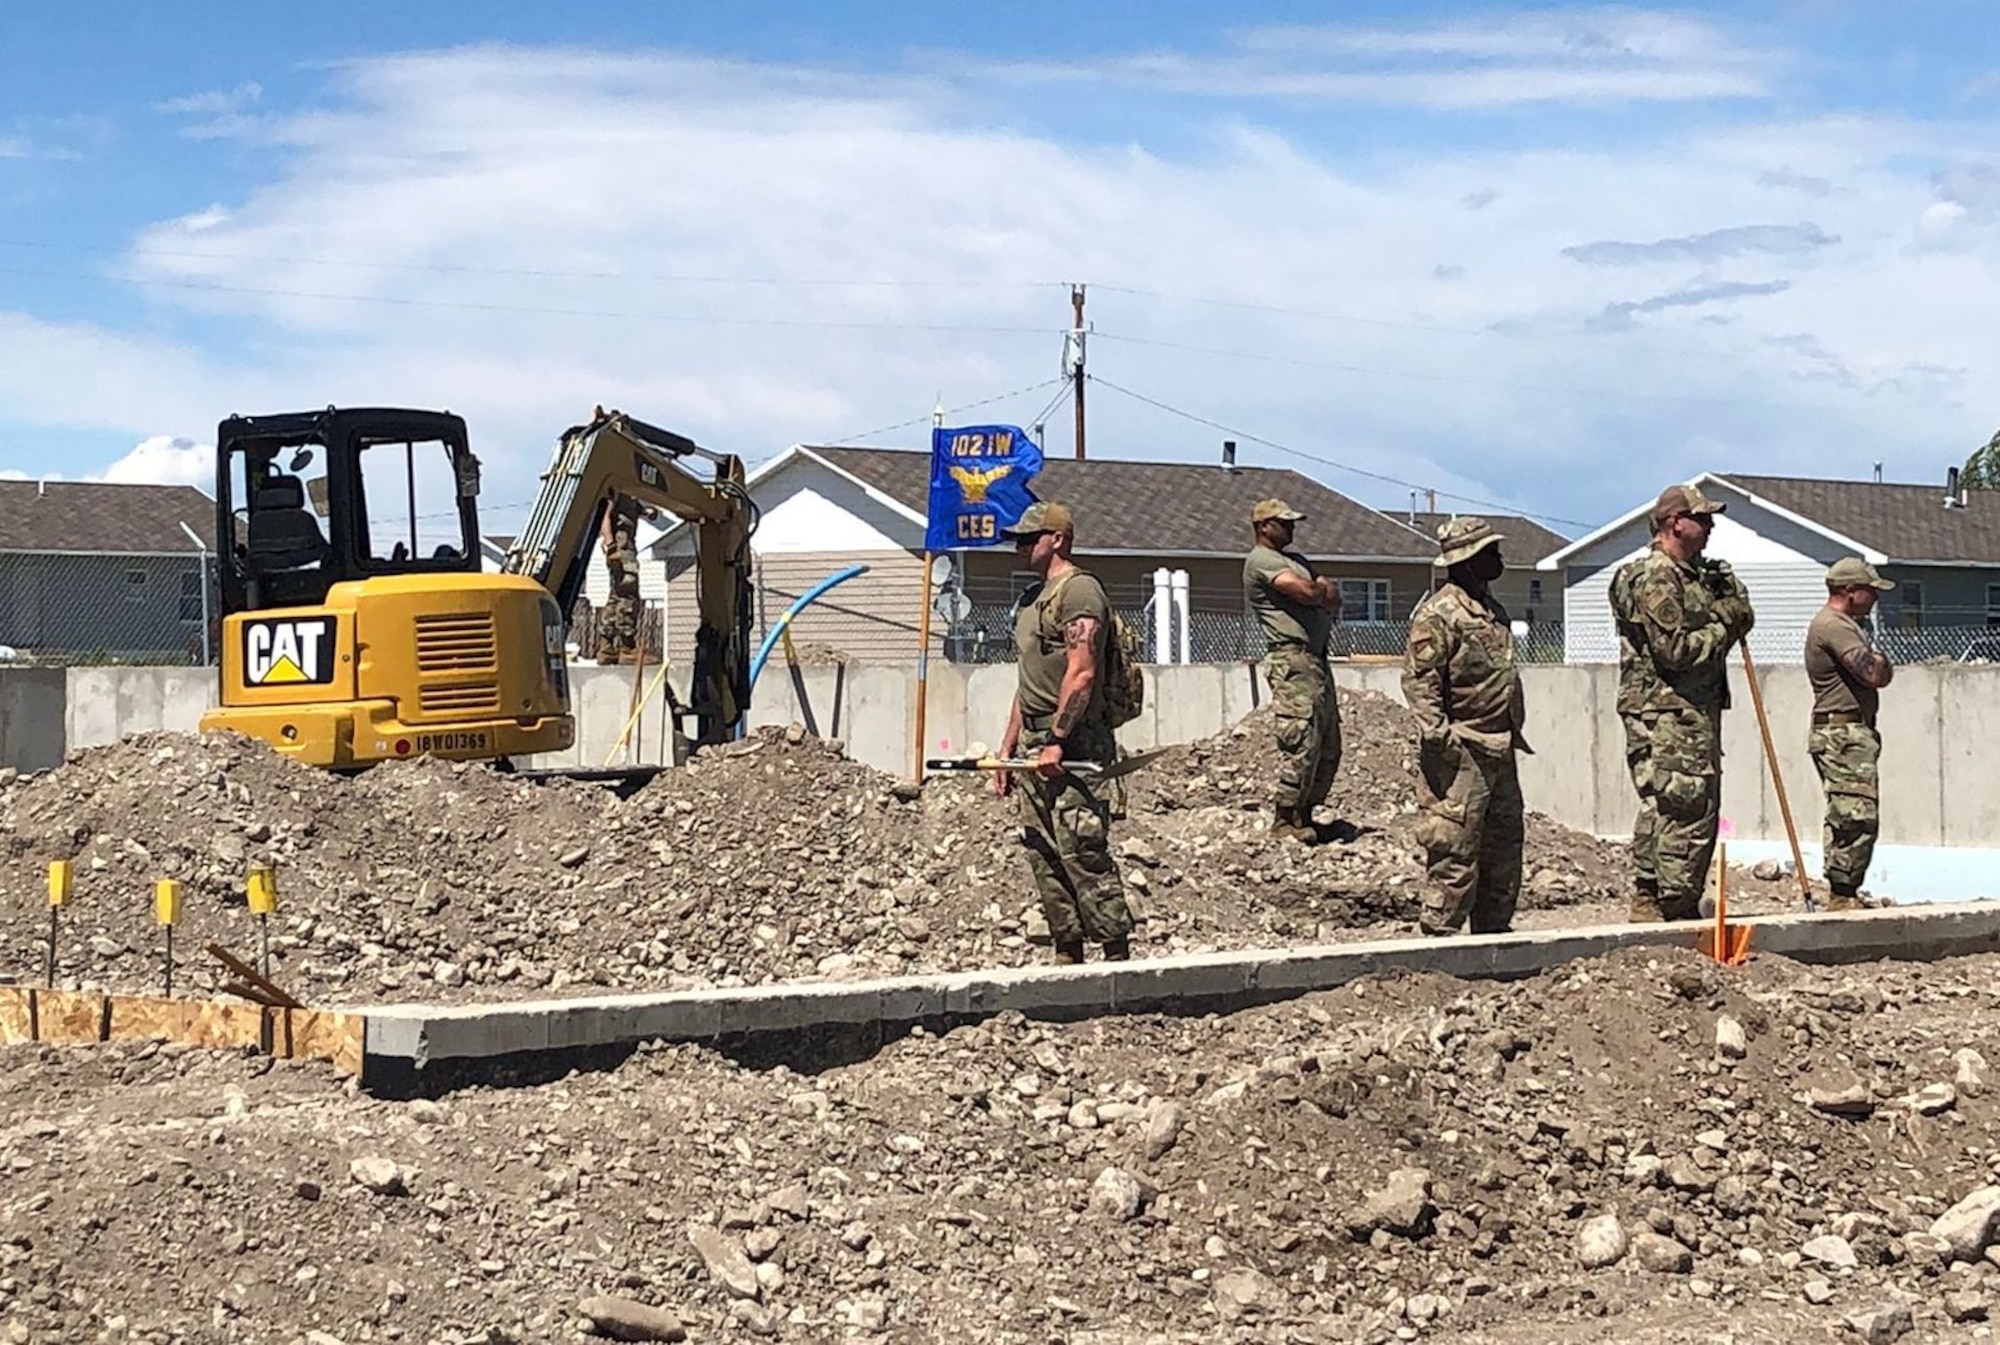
344 504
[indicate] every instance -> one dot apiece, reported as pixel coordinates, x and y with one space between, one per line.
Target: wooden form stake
262 892
167 914
61 875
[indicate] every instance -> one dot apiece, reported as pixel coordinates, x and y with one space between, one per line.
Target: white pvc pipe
1181 609
1162 617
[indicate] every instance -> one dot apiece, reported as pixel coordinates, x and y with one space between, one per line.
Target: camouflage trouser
1471 829
1646 826
618 625
1067 830
1308 713
1678 774
1846 756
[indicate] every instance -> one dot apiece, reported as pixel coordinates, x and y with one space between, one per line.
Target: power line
1494 505
1608 394
704 319
950 411
536 272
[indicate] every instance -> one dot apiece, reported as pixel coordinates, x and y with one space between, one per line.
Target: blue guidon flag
979 484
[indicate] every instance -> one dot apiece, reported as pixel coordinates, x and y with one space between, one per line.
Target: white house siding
814 522
1787 583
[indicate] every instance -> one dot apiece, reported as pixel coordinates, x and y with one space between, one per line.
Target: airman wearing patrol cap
1847 674
1464 690
1059 717
1678 615
1296 610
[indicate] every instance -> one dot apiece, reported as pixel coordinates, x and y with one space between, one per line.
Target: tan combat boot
1646 905
1286 825
1117 950
1069 952
1844 898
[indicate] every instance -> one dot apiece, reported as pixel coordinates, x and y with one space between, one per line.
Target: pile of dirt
773 858
1643 1147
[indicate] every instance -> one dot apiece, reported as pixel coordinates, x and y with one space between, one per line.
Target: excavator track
624 781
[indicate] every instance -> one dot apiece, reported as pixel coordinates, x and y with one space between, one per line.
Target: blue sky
1540 258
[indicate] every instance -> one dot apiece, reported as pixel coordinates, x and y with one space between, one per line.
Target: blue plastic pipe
777 632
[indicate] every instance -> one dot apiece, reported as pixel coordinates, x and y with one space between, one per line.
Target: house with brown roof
96 570
1942 549
824 508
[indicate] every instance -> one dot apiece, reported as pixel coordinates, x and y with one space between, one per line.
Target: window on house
1993 604
1364 600
135 586
1913 604
1534 599
191 587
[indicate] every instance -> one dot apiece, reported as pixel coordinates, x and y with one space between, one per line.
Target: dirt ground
776 858
1769 1154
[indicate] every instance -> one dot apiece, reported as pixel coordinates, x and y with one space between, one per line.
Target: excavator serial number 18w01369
379 635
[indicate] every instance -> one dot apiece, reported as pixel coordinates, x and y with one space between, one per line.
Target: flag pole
923 667
924 623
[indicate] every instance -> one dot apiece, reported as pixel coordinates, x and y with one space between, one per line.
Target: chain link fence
71 610
987 636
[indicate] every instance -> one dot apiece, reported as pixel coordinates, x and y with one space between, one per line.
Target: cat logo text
295 652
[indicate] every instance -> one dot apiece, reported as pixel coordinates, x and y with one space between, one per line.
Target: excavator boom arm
617 456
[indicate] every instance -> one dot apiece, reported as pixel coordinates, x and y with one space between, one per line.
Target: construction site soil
773 858
1645 1147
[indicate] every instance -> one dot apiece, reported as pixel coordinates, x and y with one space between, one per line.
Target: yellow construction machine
358 623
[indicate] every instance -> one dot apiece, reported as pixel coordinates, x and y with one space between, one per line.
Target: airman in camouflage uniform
1847 674
1058 717
1296 610
618 623
1678 617
1461 683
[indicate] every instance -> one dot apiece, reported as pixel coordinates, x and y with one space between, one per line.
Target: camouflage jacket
1676 625
1459 667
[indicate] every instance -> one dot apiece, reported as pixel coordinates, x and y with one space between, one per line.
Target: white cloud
164 460
214 101
517 235
1587 55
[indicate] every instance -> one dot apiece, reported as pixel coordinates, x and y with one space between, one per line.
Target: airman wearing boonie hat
1462 686
1059 717
1296 610
1678 615
1847 674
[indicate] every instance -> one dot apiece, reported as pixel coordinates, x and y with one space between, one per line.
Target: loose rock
1601 1242
627 1319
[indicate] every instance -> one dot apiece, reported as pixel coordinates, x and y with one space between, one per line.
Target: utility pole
1074 359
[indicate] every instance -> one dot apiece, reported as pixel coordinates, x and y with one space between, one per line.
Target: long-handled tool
1090 769
1777 778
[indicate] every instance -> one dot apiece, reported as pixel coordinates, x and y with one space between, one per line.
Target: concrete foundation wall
1940 724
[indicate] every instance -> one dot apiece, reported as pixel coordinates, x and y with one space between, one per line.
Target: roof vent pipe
1229 455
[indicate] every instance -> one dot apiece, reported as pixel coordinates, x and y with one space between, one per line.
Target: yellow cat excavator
358 625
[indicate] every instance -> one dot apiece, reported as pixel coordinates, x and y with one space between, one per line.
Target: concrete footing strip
415 1036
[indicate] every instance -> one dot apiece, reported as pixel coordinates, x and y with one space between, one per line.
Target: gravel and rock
1410 1157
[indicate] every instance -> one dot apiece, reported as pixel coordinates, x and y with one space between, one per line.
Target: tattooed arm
1010 743
1868 666
1080 639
